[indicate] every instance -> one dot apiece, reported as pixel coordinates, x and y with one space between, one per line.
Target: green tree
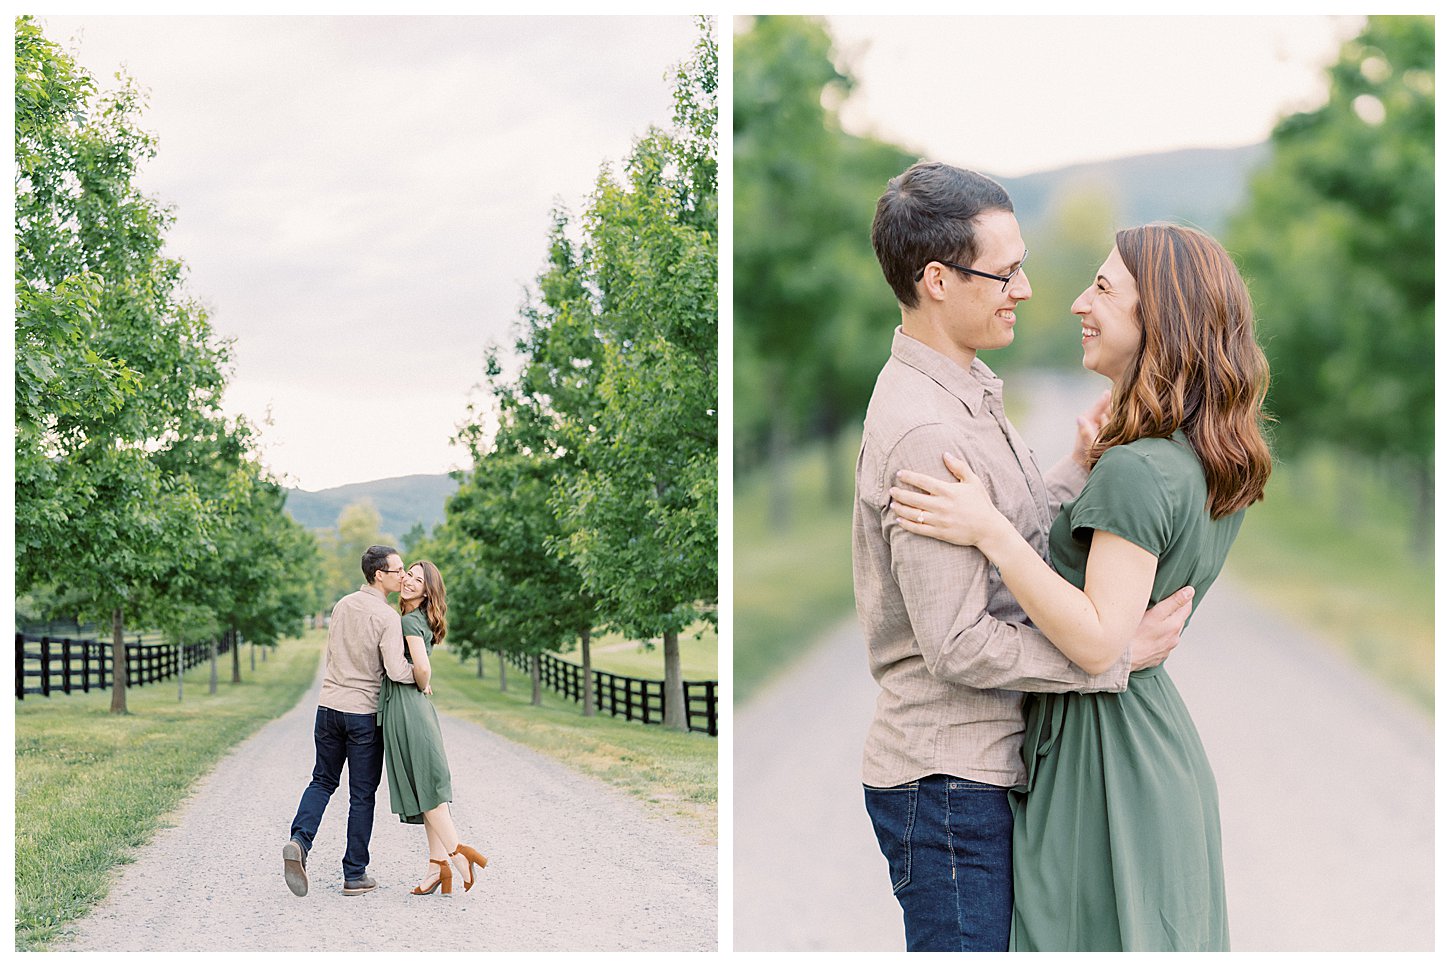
115 368
1337 243
508 590
359 526
608 430
813 318
546 416
641 513
412 540
1074 237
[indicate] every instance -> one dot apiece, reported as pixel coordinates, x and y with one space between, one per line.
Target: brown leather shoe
353 887
445 880
294 867
474 857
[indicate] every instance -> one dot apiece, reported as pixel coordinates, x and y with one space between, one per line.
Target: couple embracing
1033 777
375 705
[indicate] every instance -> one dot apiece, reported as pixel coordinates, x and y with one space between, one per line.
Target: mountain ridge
401 502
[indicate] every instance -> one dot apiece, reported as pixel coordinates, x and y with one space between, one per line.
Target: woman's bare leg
436 851
440 820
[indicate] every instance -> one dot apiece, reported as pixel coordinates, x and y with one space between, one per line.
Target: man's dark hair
375 559
927 214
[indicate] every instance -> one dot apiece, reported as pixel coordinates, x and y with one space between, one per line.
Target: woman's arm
1090 626
422 670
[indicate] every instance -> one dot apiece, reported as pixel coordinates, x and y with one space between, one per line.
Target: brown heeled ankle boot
474 857
445 879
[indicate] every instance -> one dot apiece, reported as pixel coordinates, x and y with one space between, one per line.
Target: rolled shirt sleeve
390 643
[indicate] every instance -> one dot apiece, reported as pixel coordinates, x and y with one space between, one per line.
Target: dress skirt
418 778
1115 840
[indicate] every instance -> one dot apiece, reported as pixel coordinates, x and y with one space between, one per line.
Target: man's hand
1089 423
1158 632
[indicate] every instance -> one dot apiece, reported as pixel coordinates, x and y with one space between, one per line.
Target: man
364 641
949 646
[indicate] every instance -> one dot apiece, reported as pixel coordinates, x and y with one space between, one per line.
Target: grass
619 655
792 581
91 787
674 772
1328 548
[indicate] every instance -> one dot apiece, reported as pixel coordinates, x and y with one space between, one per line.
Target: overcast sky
1015 95
362 201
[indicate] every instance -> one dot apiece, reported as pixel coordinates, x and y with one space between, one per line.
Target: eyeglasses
391 570
1006 280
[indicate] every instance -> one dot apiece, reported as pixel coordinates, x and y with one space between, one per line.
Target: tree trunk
236 656
212 689
180 667
118 664
503 679
536 674
778 453
252 654
1422 531
675 717
587 693
839 486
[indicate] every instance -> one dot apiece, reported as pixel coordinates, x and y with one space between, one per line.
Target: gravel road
573 864
1326 784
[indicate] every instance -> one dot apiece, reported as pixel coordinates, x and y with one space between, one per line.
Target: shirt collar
374 591
967 385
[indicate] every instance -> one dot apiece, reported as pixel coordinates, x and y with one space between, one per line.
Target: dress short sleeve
415 625
1125 495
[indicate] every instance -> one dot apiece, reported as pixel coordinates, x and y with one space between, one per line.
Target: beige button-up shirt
364 641
948 644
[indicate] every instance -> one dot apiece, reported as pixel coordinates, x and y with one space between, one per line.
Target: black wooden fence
45 665
634 699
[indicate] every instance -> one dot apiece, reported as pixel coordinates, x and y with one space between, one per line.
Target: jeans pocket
893 814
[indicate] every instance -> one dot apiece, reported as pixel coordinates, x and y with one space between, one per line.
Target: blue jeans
948 845
357 740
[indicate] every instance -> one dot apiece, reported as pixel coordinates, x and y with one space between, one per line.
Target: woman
1116 833
418 780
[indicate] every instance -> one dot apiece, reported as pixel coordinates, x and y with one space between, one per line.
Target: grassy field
91 787
1328 549
673 771
792 583
699 658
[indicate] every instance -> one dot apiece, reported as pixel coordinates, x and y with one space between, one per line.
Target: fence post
19 667
45 665
65 685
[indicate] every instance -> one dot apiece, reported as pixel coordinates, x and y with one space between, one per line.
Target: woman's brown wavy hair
1198 366
434 601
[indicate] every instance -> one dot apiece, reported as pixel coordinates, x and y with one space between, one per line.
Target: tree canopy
592 501
130 484
1338 246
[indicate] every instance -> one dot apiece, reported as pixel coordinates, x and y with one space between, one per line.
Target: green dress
418 778
1115 834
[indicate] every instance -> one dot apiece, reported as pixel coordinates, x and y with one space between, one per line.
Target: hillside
1199 186
401 501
